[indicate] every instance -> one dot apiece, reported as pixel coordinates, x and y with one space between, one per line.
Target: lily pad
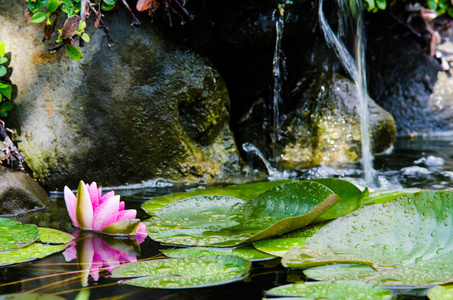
245 252
242 191
14 235
382 196
351 198
441 292
187 272
411 228
31 252
227 221
338 290
423 274
278 246
54 236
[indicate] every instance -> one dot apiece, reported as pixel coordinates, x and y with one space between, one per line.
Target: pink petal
106 196
106 213
84 207
122 206
127 214
70 254
141 233
71 200
94 195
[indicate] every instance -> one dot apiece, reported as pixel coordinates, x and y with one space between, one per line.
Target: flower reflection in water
96 252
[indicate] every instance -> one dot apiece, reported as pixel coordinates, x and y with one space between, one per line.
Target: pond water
421 162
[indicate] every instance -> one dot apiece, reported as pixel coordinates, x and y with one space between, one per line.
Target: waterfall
355 67
276 72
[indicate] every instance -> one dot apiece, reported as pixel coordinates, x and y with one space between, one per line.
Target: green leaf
245 252
110 2
381 4
2 71
38 17
30 296
6 106
107 7
369 5
85 37
3 60
423 274
126 227
441 292
242 191
186 272
52 5
6 90
2 49
15 235
69 5
28 253
73 52
84 207
278 246
351 197
82 26
227 221
54 236
400 232
382 196
338 290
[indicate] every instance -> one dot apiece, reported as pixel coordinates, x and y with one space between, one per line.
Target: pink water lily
93 211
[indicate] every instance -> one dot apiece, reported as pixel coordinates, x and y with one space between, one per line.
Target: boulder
142 108
19 193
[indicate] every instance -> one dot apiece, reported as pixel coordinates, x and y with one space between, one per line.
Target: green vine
5 86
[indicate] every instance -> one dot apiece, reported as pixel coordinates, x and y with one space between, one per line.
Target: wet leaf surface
337 290
245 252
54 236
31 252
14 235
185 272
227 221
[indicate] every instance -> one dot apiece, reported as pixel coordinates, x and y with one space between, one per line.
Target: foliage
5 84
23 242
185 272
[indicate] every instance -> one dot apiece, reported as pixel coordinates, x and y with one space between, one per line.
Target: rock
405 80
322 124
141 109
19 193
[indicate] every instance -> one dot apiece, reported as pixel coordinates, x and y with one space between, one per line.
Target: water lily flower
91 210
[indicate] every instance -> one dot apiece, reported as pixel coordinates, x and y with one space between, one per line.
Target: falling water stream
355 67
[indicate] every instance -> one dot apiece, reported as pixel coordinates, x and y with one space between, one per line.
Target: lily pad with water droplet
226 221
246 252
14 235
279 245
441 292
423 274
383 196
351 197
400 232
337 290
29 253
187 272
54 236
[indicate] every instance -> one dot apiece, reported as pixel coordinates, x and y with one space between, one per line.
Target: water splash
355 67
273 173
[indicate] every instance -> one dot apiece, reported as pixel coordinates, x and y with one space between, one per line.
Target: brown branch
101 22
135 21
83 17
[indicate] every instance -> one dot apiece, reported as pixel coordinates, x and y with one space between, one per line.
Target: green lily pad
126 227
279 245
14 235
382 196
337 290
186 272
351 198
245 252
30 296
242 191
441 292
31 252
422 274
406 230
226 221
54 236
